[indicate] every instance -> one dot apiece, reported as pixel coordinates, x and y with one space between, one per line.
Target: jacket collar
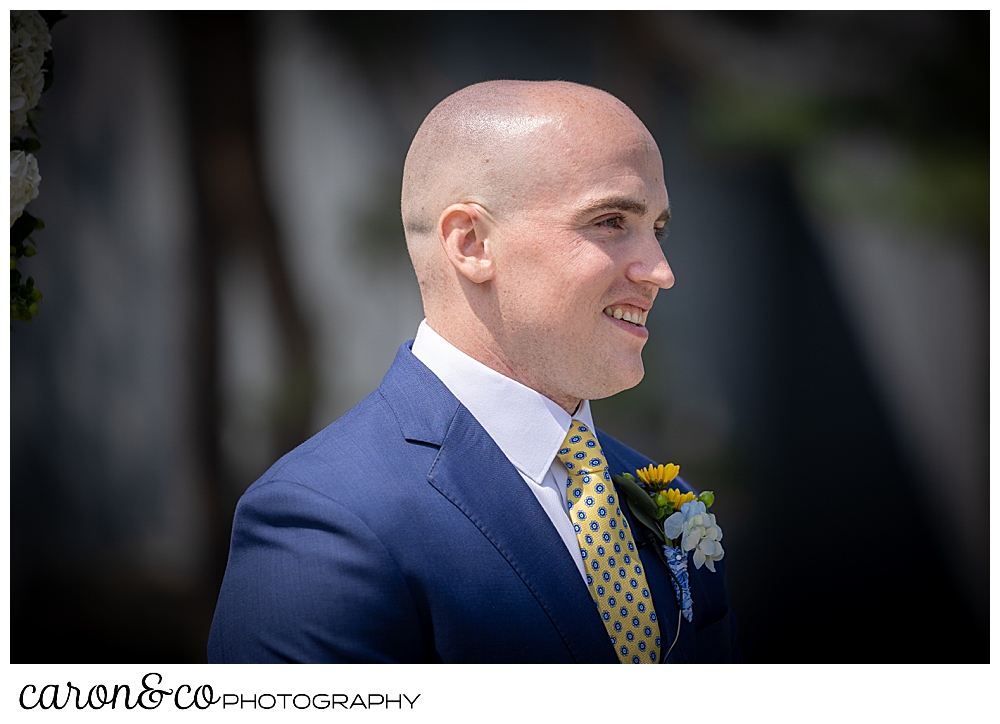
423 406
529 427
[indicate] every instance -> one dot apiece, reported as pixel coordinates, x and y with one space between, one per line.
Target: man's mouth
627 313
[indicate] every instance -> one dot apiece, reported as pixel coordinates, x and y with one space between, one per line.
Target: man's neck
492 356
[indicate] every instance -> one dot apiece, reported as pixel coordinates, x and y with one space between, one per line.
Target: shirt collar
526 425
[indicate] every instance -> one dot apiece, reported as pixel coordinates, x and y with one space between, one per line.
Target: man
432 522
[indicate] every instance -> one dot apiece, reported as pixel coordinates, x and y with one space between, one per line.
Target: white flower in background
698 531
24 180
29 39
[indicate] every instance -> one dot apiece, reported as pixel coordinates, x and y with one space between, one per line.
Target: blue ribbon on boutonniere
682 586
682 522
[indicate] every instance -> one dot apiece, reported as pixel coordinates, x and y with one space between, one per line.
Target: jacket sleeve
308 581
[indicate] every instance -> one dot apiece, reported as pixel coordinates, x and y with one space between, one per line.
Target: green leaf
636 494
39 224
646 520
19 311
29 251
31 145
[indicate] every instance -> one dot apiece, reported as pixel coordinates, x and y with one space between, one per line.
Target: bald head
495 144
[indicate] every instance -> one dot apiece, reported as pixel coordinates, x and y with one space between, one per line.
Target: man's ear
463 230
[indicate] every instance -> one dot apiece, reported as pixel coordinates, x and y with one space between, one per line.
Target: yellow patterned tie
614 571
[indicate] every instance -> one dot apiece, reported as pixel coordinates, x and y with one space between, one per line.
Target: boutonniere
681 520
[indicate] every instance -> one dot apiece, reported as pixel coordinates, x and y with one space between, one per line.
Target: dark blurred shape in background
225 274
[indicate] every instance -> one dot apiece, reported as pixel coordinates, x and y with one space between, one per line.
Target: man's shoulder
354 444
384 440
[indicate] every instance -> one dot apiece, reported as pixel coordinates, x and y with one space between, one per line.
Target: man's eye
614 222
661 232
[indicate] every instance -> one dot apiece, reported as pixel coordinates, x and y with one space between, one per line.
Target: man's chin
626 377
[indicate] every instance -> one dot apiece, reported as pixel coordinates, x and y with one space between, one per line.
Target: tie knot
580 451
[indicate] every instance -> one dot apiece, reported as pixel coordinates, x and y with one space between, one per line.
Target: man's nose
651 267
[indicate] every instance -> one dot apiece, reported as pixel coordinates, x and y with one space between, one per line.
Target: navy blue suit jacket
401 533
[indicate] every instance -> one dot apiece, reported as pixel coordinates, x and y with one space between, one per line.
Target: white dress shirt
528 427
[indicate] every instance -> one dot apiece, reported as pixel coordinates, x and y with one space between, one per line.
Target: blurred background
225 274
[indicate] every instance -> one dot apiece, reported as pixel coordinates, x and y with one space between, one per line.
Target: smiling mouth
627 313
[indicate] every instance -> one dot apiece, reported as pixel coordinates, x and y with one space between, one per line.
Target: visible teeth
638 318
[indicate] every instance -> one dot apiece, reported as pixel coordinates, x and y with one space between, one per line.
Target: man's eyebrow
622 203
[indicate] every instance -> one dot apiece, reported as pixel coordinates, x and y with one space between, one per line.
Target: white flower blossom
24 180
698 532
29 39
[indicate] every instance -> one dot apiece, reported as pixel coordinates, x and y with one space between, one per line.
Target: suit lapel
474 474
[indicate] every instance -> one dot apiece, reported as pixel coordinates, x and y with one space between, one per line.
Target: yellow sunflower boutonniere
681 520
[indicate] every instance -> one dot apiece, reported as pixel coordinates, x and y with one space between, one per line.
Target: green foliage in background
24 297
